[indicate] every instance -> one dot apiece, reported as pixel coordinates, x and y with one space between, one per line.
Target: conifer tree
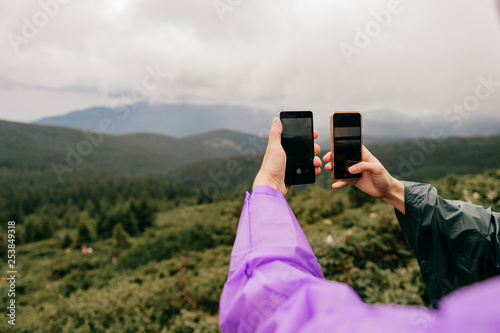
120 237
85 233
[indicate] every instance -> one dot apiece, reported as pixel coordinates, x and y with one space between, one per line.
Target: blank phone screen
298 143
347 142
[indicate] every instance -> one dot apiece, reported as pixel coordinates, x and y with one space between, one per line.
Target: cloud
268 54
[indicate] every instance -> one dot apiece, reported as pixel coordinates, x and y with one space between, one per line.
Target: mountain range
183 120
175 120
60 153
28 148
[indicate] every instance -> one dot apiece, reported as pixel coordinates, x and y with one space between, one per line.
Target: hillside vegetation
161 235
424 160
36 148
416 160
168 274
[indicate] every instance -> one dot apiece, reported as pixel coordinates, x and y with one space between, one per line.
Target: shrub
358 198
120 237
85 232
195 238
143 213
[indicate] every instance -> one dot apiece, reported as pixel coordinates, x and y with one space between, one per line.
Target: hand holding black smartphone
346 143
297 140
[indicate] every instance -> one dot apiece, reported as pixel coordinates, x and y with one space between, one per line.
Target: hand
272 171
376 180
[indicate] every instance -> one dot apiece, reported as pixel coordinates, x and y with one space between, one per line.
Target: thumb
275 132
365 166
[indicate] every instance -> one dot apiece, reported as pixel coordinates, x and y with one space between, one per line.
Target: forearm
275 282
271 258
396 195
455 243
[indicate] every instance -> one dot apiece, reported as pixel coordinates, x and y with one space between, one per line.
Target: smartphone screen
298 142
347 141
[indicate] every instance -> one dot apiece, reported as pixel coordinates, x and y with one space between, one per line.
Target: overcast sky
417 57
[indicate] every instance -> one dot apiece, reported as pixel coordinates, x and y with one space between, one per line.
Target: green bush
143 213
66 240
85 232
120 237
316 203
196 238
38 228
365 248
358 198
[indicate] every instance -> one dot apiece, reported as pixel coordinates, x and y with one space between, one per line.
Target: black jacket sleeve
455 243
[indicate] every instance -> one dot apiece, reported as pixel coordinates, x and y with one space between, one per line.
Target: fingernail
275 120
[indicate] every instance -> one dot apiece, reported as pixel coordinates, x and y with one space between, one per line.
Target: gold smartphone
346 143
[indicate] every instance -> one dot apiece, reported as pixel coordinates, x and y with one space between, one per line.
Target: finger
368 156
317 170
328 166
370 167
340 184
327 157
316 134
317 149
317 162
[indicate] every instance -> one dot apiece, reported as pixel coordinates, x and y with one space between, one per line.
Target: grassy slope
72 292
78 292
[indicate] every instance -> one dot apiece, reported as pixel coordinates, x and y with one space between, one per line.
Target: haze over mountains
182 120
176 120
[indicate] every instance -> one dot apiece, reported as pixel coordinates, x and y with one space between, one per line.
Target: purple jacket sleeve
275 284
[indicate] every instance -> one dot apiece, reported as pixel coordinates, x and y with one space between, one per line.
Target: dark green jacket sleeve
455 243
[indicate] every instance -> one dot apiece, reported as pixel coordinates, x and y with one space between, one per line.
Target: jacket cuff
267 190
415 194
413 223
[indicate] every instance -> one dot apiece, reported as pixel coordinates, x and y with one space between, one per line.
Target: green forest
147 249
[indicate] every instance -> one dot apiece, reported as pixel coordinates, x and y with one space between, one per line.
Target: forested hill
415 160
26 147
38 148
161 213
425 160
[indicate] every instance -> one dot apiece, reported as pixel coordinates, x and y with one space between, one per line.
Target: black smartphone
346 143
297 140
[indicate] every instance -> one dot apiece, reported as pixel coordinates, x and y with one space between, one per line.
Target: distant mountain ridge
36 148
176 120
59 153
183 120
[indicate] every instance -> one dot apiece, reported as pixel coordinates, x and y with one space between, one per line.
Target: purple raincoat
275 284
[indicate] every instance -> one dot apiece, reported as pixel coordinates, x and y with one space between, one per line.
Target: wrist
261 179
396 195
